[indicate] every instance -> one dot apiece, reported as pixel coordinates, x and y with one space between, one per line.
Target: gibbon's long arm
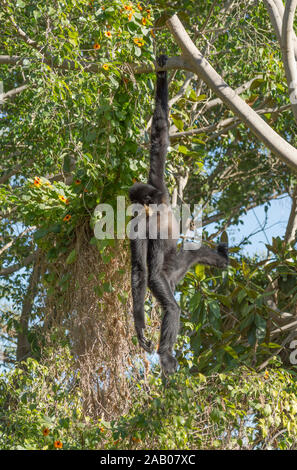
159 131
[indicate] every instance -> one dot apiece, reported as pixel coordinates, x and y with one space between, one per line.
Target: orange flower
152 33
101 429
139 42
130 16
105 66
128 7
37 181
143 21
67 218
63 199
139 7
148 13
135 439
96 46
77 181
108 34
58 444
45 431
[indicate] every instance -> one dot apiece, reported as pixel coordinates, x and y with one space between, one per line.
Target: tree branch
173 63
275 18
205 71
216 217
9 244
281 9
13 92
288 53
16 267
226 123
21 33
291 228
15 170
238 91
10 59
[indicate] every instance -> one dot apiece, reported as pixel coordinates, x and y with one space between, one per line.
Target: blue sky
278 215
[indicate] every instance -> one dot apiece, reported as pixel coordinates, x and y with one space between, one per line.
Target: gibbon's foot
161 60
143 342
223 251
168 363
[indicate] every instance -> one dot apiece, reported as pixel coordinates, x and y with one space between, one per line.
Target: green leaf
260 327
183 149
178 123
231 351
56 228
214 308
137 51
200 271
71 257
242 294
66 164
40 233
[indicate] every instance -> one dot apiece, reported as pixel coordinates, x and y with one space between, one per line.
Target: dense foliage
78 81
242 409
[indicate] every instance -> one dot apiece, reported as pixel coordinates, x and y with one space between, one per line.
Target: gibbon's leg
204 255
139 285
160 286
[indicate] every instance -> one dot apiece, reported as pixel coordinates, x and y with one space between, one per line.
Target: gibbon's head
145 194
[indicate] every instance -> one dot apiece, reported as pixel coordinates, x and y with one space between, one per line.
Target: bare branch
10 59
11 173
182 89
226 123
14 171
13 92
238 91
289 326
21 33
216 217
9 244
290 234
16 267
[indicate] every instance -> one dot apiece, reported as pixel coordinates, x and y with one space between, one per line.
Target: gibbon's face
145 194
